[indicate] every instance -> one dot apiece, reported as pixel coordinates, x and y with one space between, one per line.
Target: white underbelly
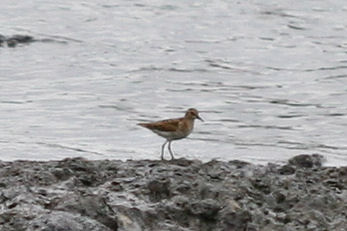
172 135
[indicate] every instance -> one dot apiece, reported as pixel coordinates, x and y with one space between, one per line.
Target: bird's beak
198 117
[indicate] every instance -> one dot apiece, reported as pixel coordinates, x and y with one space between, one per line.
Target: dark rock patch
19 39
13 41
306 161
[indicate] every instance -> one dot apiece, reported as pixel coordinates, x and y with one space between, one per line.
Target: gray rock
307 161
179 195
19 39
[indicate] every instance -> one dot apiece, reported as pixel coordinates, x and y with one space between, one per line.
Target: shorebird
173 129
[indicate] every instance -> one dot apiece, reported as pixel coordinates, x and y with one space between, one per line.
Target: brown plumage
173 129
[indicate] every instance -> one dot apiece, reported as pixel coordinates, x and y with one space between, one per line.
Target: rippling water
269 78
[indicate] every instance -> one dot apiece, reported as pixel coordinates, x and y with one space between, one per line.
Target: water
269 78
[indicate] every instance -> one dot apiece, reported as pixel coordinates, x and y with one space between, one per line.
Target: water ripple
267 76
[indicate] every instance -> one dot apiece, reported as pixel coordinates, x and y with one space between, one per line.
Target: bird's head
192 113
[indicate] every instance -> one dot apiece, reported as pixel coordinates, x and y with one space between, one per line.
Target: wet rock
238 220
2 39
159 189
207 209
19 39
91 206
64 221
179 195
13 41
286 170
307 161
22 38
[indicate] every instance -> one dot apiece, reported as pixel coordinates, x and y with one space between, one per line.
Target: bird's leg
162 150
170 150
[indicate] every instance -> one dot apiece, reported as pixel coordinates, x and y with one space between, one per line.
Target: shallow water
269 78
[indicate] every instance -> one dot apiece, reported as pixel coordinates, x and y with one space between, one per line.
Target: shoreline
181 195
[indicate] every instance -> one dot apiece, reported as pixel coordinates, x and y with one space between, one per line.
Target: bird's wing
169 125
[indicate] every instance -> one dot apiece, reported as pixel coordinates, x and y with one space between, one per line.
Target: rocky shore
180 195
